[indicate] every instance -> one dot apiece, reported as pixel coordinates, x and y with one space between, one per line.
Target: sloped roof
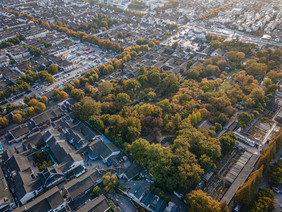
49 200
20 131
79 185
25 183
98 147
99 204
18 163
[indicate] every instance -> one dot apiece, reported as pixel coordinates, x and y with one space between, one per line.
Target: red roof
85 48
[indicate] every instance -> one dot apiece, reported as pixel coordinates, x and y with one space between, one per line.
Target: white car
276 190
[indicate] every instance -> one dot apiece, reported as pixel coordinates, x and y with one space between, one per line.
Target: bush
42 160
95 192
157 191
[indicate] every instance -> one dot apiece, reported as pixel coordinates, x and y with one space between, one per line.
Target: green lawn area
233 72
224 86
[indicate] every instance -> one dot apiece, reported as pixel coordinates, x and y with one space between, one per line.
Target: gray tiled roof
100 204
49 200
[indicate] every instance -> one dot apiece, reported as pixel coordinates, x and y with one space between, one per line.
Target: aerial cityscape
140 105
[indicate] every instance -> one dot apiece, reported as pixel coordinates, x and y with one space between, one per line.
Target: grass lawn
224 86
233 72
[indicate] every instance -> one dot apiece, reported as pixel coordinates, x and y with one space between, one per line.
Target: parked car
276 190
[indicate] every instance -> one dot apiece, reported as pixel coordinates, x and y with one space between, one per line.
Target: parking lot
85 56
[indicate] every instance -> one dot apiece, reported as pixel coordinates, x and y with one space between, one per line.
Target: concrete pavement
124 203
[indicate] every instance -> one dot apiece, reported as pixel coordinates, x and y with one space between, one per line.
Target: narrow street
124 203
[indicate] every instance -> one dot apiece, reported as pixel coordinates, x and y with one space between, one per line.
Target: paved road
124 203
264 184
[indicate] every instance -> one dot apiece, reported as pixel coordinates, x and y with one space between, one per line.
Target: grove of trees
198 201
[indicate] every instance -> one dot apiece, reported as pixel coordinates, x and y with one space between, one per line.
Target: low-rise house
6 35
74 137
217 52
172 208
100 148
197 33
63 154
17 51
147 198
51 200
130 172
51 176
26 186
84 184
99 204
35 32
41 119
4 61
137 192
33 142
18 133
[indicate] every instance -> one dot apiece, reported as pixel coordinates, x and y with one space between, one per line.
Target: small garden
42 160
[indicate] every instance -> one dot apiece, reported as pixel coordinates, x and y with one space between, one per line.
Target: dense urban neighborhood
140 105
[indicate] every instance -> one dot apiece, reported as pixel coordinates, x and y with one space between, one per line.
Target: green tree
97 123
95 192
151 95
17 118
244 119
198 201
227 142
45 76
34 51
215 44
76 83
244 195
257 68
154 77
105 87
142 79
3 122
52 69
121 100
169 84
60 94
274 75
68 88
10 107
175 45
111 182
236 57
30 111
39 107
264 201
76 93
218 127
275 173
89 107
44 99
131 85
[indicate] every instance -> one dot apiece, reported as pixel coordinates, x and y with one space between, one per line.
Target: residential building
51 200
100 204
